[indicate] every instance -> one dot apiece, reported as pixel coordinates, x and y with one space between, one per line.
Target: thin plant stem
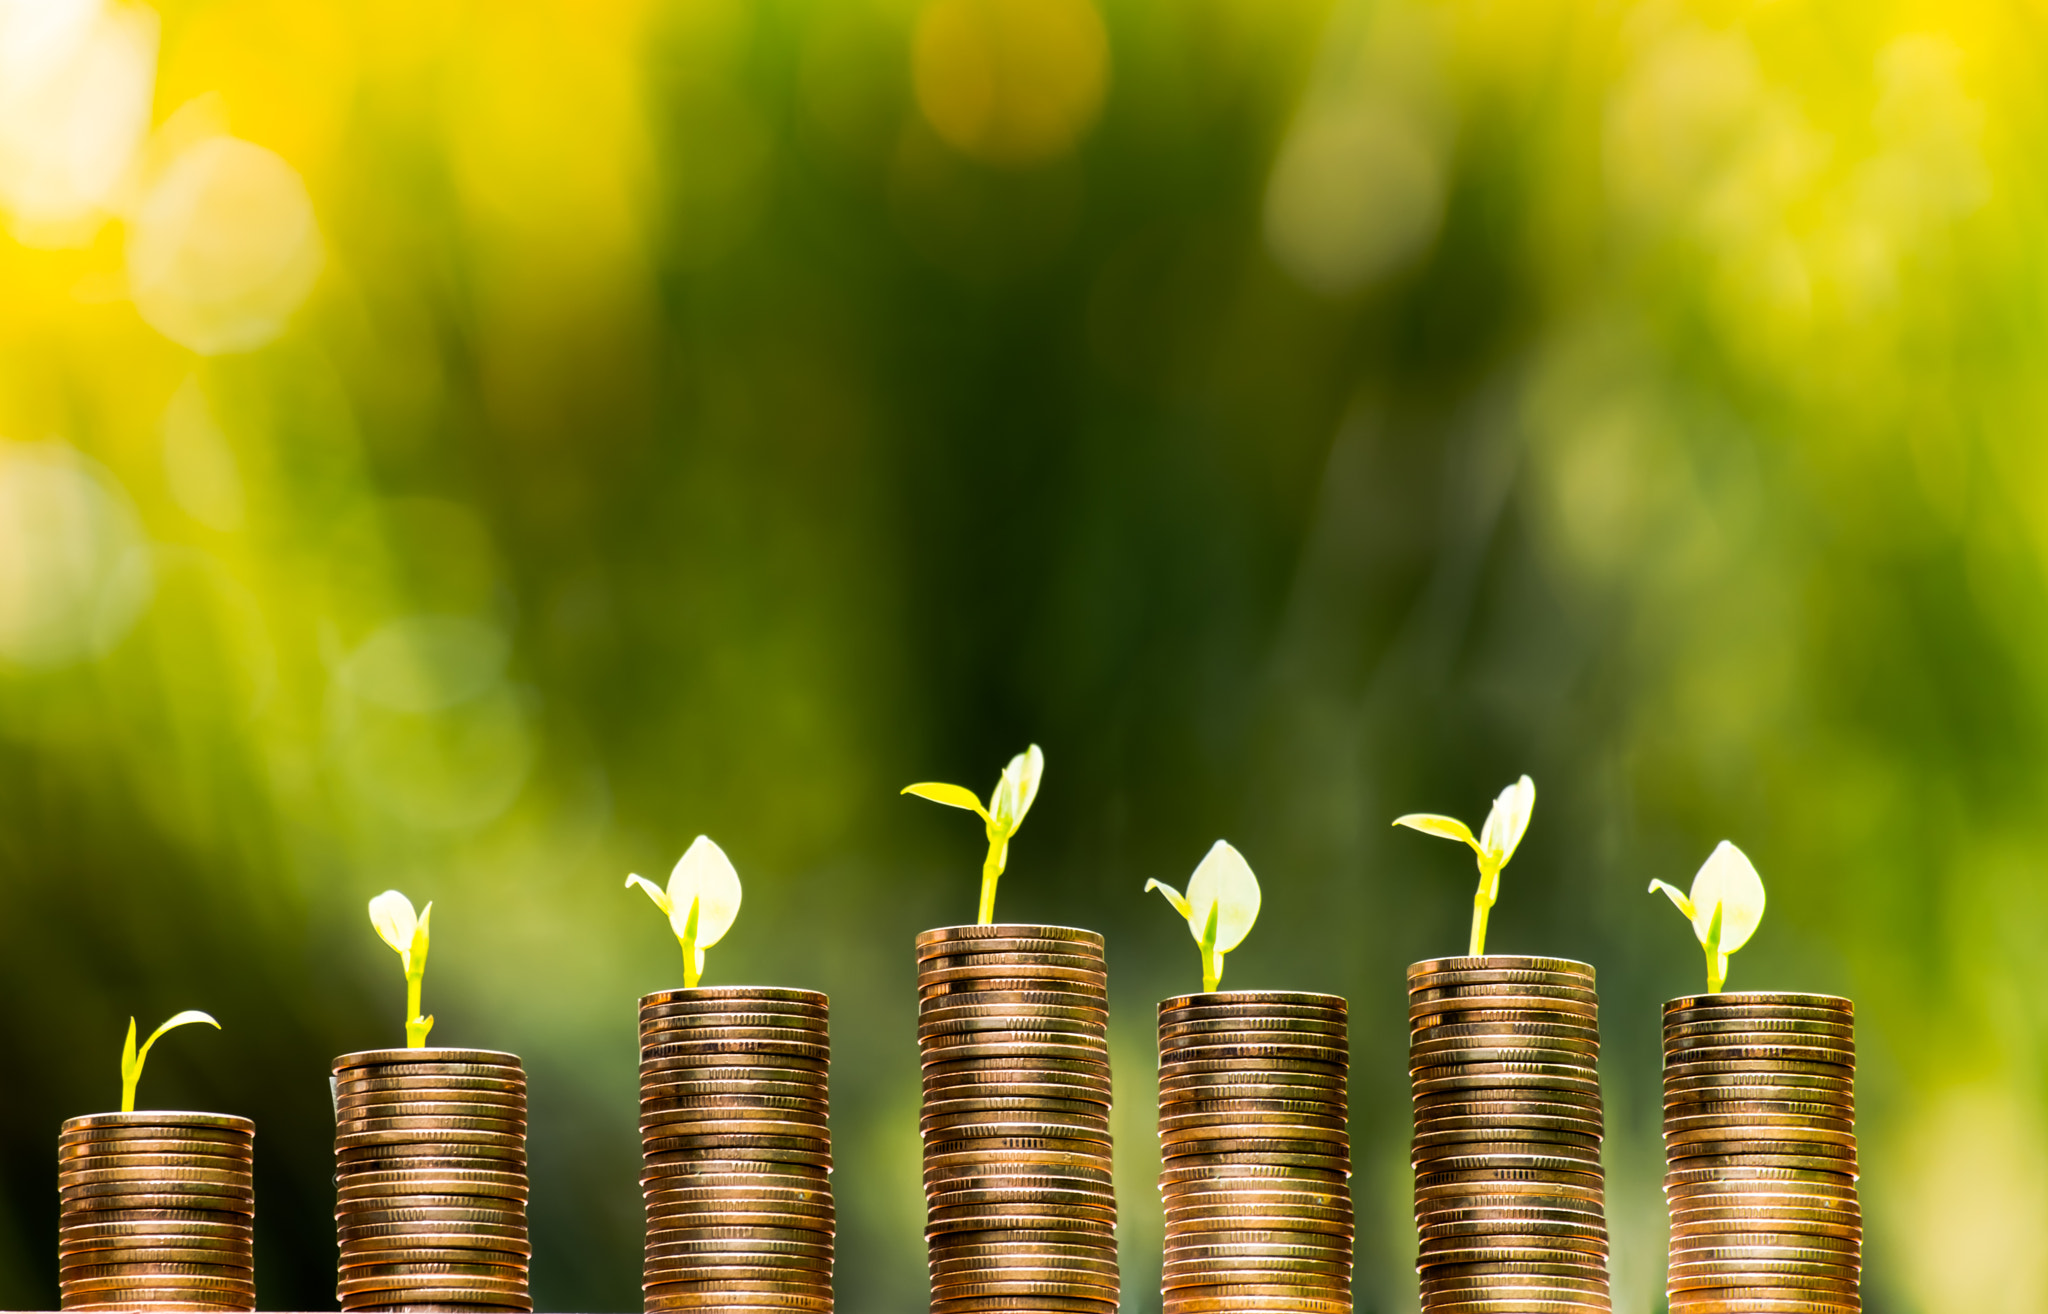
689 939
986 914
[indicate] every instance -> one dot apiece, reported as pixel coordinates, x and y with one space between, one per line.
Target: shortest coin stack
156 1212
430 1180
1760 1154
1509 1195
1255 1151
736 1150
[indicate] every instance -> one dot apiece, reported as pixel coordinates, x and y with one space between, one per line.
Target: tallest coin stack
1504 1054
1012 1029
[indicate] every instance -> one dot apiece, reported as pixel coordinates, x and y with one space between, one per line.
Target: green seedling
702 899
391 913
1726 903
1220 906
1004 813
1495 845
132 1058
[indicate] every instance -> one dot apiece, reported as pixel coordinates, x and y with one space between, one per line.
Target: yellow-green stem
689 939
416 1027
986 915
1480 908
1212 962
1716 973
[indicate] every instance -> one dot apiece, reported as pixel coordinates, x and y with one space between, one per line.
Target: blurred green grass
476 449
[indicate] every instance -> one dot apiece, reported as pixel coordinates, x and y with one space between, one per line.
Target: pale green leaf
704 877
1017 789
654 892
185 1018
1429 823
391 913
1728 882
1173 896
1507 821
1677 897
1223 887
951 795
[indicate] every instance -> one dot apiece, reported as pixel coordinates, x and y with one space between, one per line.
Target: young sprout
1495 845
132 1058
702 899
391 913
1221 904
1726 904
1004 813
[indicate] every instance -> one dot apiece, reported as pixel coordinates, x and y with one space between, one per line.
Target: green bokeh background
1310 411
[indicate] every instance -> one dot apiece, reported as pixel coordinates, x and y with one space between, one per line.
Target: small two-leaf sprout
1220 906
132 1058
391 913
1495 845
1726 903
1004 813
702 899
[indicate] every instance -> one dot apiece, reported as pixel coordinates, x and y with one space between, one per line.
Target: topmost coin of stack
1509 1205
430 1180
1013 1034
1760 1154
156 1212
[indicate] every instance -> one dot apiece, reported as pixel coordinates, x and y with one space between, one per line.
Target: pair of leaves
391 913
701 902
132 1058
1220 906
1725 907
404 930
1498 839
1007 803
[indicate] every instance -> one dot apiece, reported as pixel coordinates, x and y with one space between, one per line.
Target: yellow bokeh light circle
1010 82
223 248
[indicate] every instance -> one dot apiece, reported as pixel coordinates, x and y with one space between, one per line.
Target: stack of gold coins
736 1151
1509 1203
1020 1207
1760 1154
1254 1137
156 1212
430 1180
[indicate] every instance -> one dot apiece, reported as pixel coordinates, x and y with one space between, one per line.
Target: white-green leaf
1173 896
654 892
704 876
1017 789
391 913
1676 895
1224 882
185 1018
951 795
1729 882
1507 821
1429 823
